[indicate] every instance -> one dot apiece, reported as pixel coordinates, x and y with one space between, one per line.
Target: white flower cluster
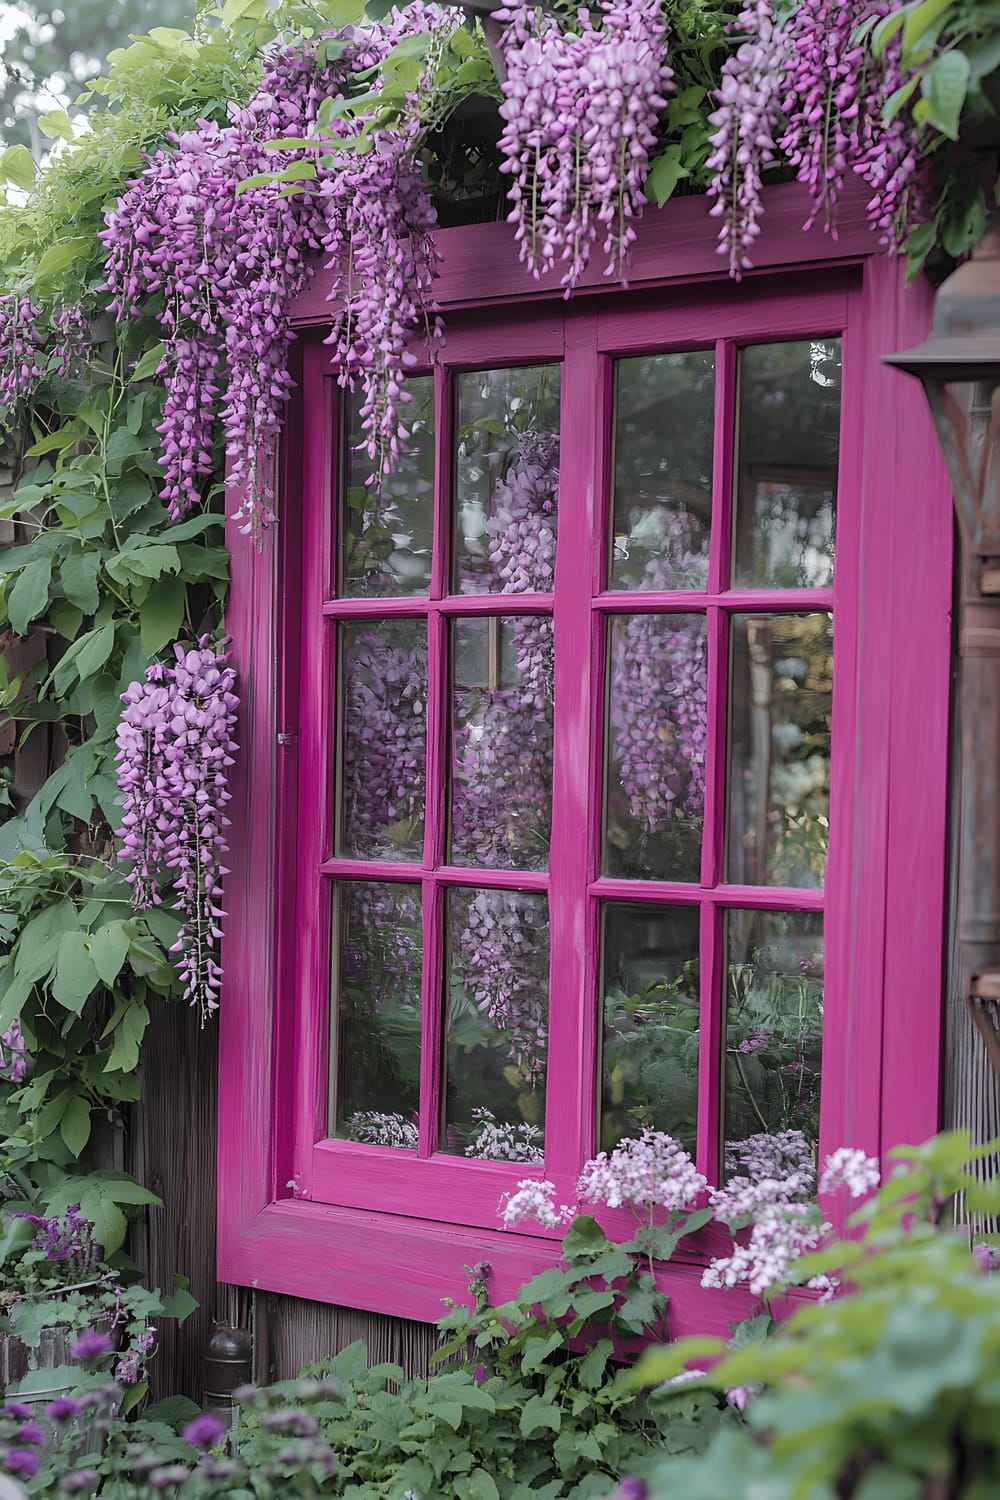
782 1233
375 1129
774 1193
534 1200
850 1168
504 1141
651 1172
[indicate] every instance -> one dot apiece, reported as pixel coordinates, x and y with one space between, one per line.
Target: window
585 730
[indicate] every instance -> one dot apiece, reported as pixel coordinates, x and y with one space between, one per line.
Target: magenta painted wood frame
388 1230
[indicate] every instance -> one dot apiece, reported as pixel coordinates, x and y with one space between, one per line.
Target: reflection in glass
388 529
774 1024
375 1022
501 778
779 772
506 479
497 1035
650 1069
656 740
786 484
664 435
383 738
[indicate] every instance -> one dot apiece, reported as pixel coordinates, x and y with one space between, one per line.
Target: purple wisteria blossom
580 111
226 254
743 142
67 1239
811 93
16 1062
175 748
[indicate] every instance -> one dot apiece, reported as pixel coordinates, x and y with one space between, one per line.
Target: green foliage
538 1406
889 1391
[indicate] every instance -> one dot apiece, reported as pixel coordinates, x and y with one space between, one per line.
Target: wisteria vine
175 747
810 93
580 111
225 252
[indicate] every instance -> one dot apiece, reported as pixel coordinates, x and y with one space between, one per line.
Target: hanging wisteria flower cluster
226 254
31 351
175 747
809 92
580 111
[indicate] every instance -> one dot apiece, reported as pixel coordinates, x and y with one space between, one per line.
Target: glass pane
498 1025
383 738
774 1027
650 1071
786 473
375 1027
501 787
388 529
655 760
779 774
664 435
506 479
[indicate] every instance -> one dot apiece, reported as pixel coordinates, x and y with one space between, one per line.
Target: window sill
405 1267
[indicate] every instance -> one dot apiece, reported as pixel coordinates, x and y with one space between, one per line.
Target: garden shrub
889 1393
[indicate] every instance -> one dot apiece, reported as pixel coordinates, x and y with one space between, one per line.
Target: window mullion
720 550
574 920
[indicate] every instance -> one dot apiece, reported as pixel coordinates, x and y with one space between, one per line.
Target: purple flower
205 1431
18 1412
168 1477
90 1345
62 1408
79 1481
175 745
21 1461
986 1256
480 1375
632 1489
30 1432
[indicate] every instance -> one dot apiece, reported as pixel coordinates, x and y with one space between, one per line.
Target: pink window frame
376 1247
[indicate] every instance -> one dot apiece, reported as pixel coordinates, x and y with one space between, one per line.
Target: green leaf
538 1415
76 978
132 1397
18 167
110 1224
175 1411
78 576
145 562
583 1237
95 650
161 614
128 1035
56 442
108 947
74 1127
664 175
30 594
944 86
477 1485
150 362
62 254
57 125
919 20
